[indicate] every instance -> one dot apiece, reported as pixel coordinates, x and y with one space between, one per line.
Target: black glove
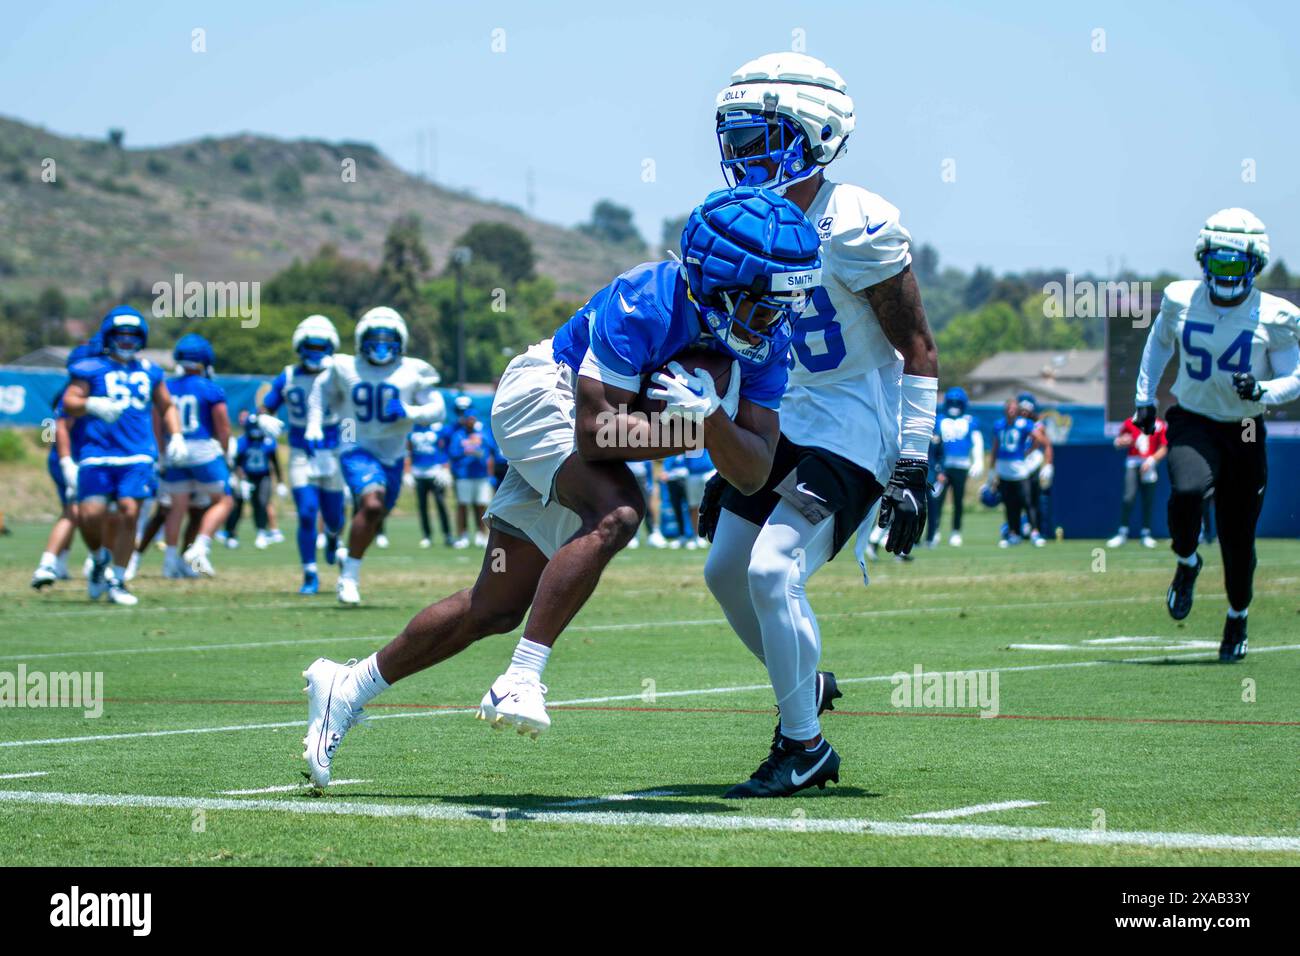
711 506
1145 418
1247 387
902 506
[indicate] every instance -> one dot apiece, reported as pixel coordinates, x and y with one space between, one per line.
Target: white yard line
672 821
977 808
619 698
24 776
286 788
612 798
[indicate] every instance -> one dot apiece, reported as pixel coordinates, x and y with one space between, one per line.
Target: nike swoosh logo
872 232
495 699
623 302
803 489
799 779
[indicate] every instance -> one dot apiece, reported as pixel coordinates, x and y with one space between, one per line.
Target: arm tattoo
897 304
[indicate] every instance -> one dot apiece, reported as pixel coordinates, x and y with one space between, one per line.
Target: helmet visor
1227 265
313 353
125 341
381 346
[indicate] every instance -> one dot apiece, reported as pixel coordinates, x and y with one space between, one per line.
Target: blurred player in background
470 453
1041 469
115 396
431 473
205 423
1240 353
1141 472
674 478
62 466
1011 469
644 473
963 459
699 469
562 417
385 392
255 462
855 421
314 474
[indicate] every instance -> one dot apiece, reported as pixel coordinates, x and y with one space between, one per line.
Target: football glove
69 469
395 409
1144 417
711 506
902 506
1045 476
690 396
177 450
313 435
1246 386
104 408
270 424
246 490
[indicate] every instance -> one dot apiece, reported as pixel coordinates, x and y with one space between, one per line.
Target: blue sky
1063 156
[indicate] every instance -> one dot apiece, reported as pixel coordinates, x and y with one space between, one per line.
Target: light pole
460 257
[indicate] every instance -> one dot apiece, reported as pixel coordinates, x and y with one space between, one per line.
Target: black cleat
1179 599
789 768
1234 644
827 692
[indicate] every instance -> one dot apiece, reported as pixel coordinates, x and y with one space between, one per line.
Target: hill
234 208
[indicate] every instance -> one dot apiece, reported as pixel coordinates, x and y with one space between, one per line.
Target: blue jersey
638 322
195 397
429 447
291 389
699 463
130 385
1012 442
255 457
469 449
956 436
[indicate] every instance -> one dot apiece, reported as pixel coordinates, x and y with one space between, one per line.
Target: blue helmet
1027 404
751 258
990 497
253 427
124 332
194 352
955 401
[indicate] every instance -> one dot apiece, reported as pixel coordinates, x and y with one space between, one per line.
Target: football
715 363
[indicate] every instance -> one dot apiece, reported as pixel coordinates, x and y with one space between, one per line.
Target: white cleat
955 540
381 542
461 543
634 543
349 592
261 541
1038 540
1148 541
320 541
1118 541
87 567
44 576
197 559
426 544
329 717
276 536
516 699
656 539
119 595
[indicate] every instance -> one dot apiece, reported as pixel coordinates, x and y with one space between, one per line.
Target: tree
502 245
979 288
346 285
612 223
672 234
1277 277
925 263
405 263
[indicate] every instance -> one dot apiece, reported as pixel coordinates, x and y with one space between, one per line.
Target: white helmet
381 335
314 340
796 98
1232 249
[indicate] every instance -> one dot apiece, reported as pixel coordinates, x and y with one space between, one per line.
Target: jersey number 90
371 401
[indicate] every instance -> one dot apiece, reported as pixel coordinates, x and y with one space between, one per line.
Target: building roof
1072 365
56 356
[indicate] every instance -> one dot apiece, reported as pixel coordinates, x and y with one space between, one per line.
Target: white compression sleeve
727 574
920 395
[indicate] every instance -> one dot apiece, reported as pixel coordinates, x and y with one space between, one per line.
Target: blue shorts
116 481
194 478
364 472
56 475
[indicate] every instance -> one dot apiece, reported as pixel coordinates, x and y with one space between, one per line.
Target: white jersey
362 392
1261 335
844 388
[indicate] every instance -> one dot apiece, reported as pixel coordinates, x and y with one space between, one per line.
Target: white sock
1234 613
310 567
364 681
204 543
352 568
48 560
529 656
1190 560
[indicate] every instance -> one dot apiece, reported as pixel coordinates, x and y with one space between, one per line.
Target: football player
963 459
856 419
471 464
1143 454
62 466
431 472
1011 466
561 417
255 459
115 396
1239 355
382 392
205 423
314 474
1041 469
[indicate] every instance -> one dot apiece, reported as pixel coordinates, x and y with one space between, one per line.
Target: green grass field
1137 751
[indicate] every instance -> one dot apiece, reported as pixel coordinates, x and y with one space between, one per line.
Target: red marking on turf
1095 718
